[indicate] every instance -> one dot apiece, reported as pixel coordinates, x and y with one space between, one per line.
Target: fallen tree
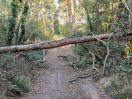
57 43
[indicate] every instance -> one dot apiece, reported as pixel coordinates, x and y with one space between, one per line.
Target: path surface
53 82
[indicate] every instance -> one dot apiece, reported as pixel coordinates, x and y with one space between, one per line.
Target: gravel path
52 82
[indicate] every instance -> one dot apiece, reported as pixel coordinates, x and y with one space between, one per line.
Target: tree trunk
73 16
68 5
12 22
56 24
23 21
57 43
89 23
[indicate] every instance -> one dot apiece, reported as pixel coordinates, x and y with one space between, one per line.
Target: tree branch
92 55
108 52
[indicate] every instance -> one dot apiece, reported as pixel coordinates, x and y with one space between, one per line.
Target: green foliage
79 51
126 67
14 8
117 92
20 84
66 29
12 22
34 56
84 59
35 32
82 63
17 71
56 24
117 63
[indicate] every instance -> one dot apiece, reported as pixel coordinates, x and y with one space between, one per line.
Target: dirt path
53 82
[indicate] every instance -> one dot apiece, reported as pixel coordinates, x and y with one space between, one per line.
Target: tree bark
57 43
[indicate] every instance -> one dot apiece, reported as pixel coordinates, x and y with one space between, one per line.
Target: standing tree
12 21
86 8
123 17
23 22
56 24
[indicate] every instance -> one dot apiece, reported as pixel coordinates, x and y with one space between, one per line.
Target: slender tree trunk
89 21
85 5
73 16
56 24
17 32
23 21
68 5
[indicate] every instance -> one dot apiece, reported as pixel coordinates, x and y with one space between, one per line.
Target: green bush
20 84
125 67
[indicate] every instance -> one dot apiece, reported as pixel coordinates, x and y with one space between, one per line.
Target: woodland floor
52 82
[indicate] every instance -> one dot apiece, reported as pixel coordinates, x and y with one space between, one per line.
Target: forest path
52 82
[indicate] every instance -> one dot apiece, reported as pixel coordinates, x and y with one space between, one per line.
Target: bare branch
92 55
108 52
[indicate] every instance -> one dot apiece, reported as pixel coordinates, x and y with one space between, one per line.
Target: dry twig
108 52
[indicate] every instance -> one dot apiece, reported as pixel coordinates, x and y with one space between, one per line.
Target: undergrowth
119 63
118 91
17 70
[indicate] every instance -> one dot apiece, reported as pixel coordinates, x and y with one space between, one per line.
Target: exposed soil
52 82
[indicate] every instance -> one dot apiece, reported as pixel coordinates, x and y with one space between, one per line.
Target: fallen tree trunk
56 43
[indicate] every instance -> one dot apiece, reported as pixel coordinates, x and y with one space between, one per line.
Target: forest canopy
25 21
